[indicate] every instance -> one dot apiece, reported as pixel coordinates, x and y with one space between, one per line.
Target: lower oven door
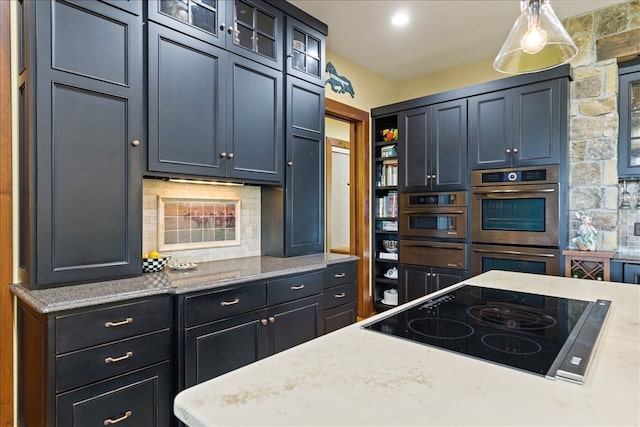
514 258
434 254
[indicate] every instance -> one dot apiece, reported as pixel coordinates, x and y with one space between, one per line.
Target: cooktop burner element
545 335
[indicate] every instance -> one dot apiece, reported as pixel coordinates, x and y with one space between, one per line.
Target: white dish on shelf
388 302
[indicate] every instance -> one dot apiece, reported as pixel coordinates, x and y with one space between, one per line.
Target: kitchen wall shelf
588 265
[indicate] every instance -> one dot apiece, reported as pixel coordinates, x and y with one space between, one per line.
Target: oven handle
545 190
431 245
487 251
431 211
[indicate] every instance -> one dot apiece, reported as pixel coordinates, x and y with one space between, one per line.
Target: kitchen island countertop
360 377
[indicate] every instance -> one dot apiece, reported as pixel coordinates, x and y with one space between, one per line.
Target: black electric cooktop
541 334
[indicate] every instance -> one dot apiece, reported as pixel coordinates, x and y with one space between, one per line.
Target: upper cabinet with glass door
252 29
305 50
629 112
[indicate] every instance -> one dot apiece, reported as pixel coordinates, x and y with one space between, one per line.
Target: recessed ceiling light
400 19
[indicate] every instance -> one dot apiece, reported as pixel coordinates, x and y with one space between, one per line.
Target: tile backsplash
248 195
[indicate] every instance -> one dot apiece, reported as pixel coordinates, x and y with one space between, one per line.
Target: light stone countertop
360 377
207 275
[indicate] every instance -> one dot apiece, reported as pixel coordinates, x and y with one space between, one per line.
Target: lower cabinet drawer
294 287
341 273
140 398
83 367
216 305
338 295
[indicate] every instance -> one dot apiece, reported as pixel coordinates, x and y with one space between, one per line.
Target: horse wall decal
339 84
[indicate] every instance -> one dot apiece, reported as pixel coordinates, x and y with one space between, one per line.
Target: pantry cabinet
200 101
80 102
521 126
433 150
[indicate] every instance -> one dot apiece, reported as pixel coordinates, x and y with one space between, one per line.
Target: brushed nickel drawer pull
340 295
226 303
339 275
297 287
117 359
109 421
124 322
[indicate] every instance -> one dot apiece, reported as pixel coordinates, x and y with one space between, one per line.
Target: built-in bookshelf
386 209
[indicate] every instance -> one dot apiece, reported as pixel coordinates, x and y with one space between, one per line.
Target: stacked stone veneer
593 128
248 195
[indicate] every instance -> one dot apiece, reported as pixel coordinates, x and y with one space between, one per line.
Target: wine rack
587 264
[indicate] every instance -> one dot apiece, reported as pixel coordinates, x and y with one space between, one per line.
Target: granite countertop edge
208 275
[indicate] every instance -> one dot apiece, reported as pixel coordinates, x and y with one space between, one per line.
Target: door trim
360 239
6 221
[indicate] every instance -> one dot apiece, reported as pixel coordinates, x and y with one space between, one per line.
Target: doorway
352 150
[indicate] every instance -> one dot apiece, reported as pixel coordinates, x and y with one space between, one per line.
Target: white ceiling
441 34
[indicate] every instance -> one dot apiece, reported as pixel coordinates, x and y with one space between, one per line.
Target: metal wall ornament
339 84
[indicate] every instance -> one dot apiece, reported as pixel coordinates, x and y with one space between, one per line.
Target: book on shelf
389 225
387 206
387 173
387 255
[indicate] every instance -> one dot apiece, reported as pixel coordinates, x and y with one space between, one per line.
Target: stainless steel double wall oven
516 220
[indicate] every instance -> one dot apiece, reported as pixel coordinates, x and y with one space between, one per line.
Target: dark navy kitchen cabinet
521 126
418 281
340 296
293 216
97 366
81 137
201 100
252 29
629 111
305 52
433 150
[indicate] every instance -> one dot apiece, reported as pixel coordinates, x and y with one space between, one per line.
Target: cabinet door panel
413 126
442 277
449 145
415 282
219 347
89 44
537 120
629 137
186 94
490 130
339 317
255 123
294 323
305 49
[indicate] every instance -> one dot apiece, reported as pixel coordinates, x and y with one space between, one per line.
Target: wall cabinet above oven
522 126
433 148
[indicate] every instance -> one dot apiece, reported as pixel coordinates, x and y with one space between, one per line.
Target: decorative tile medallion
189 223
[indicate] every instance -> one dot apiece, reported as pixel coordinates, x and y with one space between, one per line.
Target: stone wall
593 127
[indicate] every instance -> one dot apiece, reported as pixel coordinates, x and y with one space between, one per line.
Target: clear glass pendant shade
537 41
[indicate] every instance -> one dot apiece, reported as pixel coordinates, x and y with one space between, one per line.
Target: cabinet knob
508 151
515 151
272 319
263 322
428 176
230 30
433 176
222 26
135 142
428 274
231 156
289 163
290 55
223 154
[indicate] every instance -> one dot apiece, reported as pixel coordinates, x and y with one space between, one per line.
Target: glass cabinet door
257 28
203 19
305 52
629 137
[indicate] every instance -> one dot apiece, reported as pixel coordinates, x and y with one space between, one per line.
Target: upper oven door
519 214
444 222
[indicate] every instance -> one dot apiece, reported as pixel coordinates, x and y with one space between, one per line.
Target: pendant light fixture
537 41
